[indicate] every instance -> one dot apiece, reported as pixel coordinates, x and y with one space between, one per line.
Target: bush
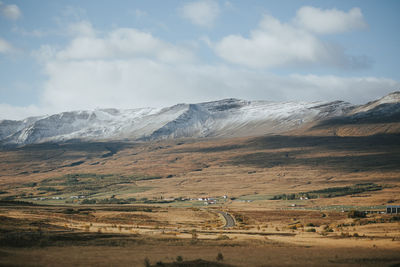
194 234
88 201
395 218
356 214
328 229
312 230
220 257
179 259
345 235
223 237
147 262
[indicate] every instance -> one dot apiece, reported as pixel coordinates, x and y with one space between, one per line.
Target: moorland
294 199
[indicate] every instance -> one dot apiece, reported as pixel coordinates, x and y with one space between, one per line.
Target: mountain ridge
222 118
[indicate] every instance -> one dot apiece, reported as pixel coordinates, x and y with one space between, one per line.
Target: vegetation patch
331 192
90 183
195 263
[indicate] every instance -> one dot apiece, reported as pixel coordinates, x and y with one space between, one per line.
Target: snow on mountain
383 110
393 98
224 118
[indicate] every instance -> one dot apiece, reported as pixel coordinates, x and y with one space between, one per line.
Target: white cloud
5 47
10 11
121 43
81 28
202 13
330 20
276 44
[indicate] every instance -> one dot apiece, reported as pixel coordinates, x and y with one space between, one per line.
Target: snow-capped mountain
224 118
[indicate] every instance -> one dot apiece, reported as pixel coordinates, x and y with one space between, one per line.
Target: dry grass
268 232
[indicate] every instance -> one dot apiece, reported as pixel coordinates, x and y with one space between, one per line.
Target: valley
162 199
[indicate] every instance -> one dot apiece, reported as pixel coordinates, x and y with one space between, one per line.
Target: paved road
230 222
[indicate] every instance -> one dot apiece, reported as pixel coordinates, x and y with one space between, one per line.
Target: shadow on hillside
375 143
349 143
355 163
384 152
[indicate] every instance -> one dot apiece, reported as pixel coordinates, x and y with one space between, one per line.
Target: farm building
391 209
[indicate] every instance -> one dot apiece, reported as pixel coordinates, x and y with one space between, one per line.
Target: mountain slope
224 118
376 117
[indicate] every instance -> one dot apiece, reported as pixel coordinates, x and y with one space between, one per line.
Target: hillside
225 118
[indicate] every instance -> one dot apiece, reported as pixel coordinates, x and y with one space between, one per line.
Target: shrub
223 237
88 201
328 229
147 262
220 257
179 258
312 230
356 214
194 234
395 218
345 235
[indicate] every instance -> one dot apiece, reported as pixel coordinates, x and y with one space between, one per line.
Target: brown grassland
296 200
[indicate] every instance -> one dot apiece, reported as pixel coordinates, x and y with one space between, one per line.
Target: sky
86 54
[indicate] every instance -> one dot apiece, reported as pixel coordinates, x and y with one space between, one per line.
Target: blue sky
67 55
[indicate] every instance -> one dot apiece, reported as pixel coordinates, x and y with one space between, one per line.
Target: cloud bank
329 21
295 44
130 68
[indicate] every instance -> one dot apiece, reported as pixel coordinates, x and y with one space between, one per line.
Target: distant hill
223 118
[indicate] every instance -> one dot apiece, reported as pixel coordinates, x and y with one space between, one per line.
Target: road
229 221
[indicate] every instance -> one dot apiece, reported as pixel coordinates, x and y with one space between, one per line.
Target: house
393 209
